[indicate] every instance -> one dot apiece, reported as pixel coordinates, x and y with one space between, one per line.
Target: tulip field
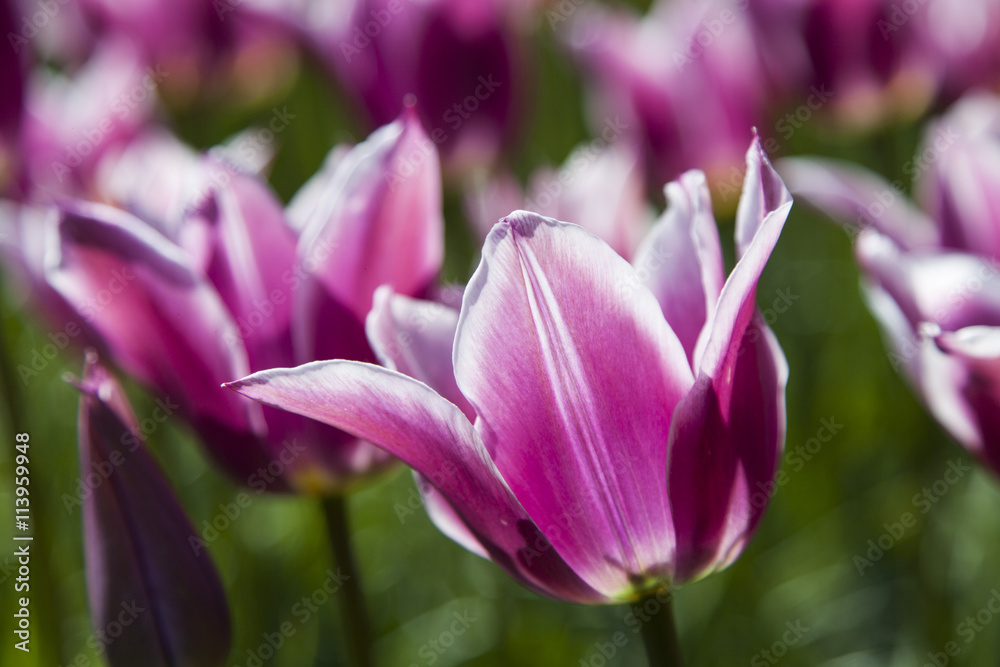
378 333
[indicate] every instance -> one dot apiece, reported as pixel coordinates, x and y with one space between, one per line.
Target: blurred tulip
687 80
461 60
226 285
932 275
599 187
153 599
574 374
13 66
70 123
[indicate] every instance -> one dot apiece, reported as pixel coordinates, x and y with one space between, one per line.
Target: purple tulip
685 93
595 428
228 284
601 188
460 59
69 124
153 599
932 274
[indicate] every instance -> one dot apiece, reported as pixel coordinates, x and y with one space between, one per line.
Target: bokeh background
801 570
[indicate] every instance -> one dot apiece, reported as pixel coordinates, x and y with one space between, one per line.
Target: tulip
595 428
460 60
12 75
153 599
69 124
687 81
600 187
226 285
931 272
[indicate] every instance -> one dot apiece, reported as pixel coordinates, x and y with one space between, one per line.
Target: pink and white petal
488 200
380 220
409 420
763 192
765 215
161 322
724 454
961 187
680 260
859 199
416 338
602 191
951 289
444 516
251 252
574 374
978 349
311 194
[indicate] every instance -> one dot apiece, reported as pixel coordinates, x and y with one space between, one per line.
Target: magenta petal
724 454
145 562
447 520
162 323
680 260
574 374
412 422
977 348
250 256
858 199
416 338
380 221
960 186
763 208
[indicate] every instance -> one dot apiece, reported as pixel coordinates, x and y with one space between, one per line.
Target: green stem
353 610
659 635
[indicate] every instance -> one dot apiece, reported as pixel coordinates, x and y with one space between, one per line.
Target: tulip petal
416 338
412 422
723 455
858 199
380 221
161 322
574 377
978 349
145 562
763 215
960 184
250 253
680 260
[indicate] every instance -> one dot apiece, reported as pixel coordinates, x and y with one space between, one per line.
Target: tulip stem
353 609
659 635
